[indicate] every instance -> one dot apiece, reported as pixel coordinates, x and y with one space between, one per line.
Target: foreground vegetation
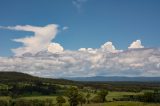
18 89
45 102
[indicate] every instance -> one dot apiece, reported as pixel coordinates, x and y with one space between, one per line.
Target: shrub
4 103
97 99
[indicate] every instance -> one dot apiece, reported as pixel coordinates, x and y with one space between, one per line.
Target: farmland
17 89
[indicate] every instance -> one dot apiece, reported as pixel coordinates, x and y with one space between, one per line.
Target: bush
97 99
4 103
23 103
60 100
35 102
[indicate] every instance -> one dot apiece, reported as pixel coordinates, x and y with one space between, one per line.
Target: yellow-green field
117 103
124 103
112 95
109 97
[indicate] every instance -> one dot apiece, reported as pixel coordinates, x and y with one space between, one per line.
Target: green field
109 97
26 90
124 103
112 95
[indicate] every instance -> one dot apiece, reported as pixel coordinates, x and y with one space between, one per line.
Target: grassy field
111 95
124 103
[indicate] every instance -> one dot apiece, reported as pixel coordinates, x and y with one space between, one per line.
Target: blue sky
60 38
90 25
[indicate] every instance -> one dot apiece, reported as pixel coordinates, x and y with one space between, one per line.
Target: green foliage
35 102
81 98
102 94
4 103
72 94
151 97
97 99
88 97
60 100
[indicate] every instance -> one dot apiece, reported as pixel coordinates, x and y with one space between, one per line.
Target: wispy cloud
65 28
79 3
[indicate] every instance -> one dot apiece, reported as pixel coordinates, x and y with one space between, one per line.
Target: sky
83 37
90 23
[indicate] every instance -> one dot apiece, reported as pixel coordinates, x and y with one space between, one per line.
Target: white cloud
137 62
39 41
65 28
109 47
135 45
55 48
82 49
51 60
89 50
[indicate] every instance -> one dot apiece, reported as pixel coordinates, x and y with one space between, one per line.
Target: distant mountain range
115 78
22 77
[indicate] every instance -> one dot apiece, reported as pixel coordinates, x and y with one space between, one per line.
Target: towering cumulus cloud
135 45
39 41
55 48
108 46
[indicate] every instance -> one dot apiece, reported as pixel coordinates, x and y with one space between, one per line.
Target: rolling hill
7 77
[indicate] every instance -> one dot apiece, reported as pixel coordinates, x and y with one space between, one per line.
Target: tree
81 99
96 99
102 94
72 94
88 96
60 100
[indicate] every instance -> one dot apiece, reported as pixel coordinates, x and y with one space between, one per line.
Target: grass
44 98
112 95
124 103
109 97
5 98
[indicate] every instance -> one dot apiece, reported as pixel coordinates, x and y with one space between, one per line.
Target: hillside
114 84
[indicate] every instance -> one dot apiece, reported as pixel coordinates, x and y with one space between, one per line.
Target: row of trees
17 90
75 97
153 97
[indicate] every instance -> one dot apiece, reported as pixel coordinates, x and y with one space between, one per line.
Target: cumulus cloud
89 50
39 56
109 47
135 45
55 48
136 62
39 41
82 49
